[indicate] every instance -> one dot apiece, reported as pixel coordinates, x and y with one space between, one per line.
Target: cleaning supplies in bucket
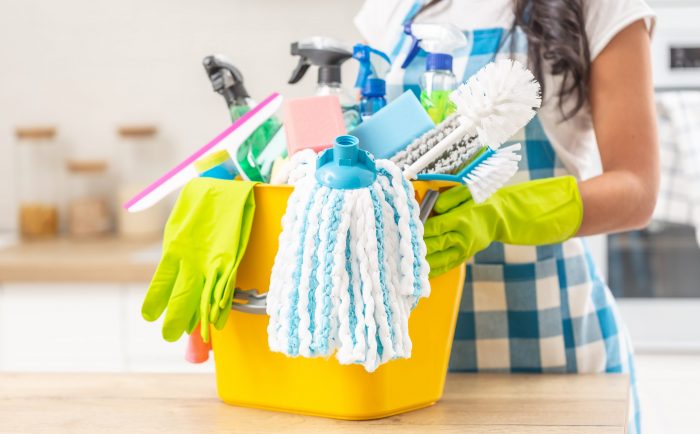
351 263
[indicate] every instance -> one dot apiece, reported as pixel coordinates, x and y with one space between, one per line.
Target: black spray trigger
225 78
300 70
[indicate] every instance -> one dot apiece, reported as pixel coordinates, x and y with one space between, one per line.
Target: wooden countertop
66 260
184 403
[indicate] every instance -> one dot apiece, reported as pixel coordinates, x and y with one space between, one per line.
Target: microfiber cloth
394 127
313 123
453 157
205 239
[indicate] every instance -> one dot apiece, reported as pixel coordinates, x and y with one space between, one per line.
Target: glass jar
139 162
88 198
38 179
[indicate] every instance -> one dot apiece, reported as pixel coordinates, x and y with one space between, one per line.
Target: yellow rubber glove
538 212
205 239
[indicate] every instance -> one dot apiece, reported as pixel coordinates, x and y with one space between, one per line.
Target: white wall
89 65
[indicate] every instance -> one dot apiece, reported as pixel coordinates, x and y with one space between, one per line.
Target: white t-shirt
381 24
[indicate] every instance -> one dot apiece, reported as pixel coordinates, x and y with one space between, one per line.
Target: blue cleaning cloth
394 127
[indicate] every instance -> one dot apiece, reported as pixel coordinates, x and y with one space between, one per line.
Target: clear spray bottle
437 82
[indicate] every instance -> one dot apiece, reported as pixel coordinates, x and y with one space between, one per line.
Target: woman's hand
538 212
457 232
624 119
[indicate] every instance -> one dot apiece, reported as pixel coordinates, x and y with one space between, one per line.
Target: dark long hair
557 43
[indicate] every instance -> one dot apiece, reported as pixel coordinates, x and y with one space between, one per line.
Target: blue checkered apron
533 308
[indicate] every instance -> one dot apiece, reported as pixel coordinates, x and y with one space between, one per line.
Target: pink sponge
313 123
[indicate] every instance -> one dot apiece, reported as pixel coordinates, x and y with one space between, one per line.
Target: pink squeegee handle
201 151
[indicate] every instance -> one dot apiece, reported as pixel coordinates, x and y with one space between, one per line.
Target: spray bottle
374 66
328 55
438 81
227 80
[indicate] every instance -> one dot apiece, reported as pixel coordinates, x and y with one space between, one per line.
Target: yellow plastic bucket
249 374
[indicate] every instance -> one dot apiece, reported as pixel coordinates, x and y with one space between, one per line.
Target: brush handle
436 151
426 207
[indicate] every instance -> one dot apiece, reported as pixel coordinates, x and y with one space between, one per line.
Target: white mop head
498 100
300 165
349 269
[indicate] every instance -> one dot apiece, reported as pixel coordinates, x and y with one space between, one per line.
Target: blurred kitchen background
98 97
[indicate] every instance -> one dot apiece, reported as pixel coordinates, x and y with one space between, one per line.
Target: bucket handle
250 301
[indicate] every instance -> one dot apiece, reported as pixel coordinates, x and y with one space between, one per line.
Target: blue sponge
394 127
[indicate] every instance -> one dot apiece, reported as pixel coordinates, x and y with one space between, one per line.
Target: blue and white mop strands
351 263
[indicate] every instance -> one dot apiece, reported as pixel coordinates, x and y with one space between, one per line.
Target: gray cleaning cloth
455 156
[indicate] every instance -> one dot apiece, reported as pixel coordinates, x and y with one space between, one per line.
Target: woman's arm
624 119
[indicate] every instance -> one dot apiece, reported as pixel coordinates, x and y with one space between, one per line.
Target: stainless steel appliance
655 272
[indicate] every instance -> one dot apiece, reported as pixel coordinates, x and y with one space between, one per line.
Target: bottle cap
438 62
374 87
345 166
329 74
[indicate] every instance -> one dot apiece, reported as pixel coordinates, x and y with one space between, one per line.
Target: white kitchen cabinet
61 327
145 348
84 327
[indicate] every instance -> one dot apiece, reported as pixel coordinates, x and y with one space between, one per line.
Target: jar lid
35 132
86 166
144 130
212 160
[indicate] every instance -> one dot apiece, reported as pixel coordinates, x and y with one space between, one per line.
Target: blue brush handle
458 177
438 177
431 196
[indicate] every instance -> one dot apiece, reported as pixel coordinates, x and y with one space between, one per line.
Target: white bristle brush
493 104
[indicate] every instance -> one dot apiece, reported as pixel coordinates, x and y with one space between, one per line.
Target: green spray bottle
254 156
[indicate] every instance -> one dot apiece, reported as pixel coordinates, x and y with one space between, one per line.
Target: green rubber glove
538 212
205 238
